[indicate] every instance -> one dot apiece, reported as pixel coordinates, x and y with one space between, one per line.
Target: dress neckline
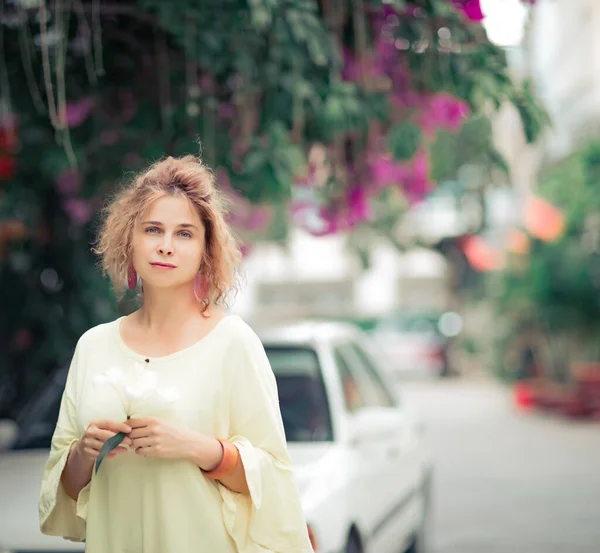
164 358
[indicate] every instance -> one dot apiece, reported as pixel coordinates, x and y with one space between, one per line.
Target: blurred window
353 397
368 383
302 396
369 367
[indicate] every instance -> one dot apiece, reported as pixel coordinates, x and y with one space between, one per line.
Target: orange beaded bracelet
228 464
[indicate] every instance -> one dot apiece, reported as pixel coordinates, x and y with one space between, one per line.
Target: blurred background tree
552 294
323 114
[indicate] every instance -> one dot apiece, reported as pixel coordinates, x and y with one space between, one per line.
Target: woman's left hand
157 438
153 437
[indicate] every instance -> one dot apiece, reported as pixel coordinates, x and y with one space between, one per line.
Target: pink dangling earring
131 278
200 287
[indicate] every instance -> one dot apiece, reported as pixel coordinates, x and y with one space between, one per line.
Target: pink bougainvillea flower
78 111
314 219
471 8
248 217
79 211
450 112
386 171
359 209
418 183
334 222
68 182
443 111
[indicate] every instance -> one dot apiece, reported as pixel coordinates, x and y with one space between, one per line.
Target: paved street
506 481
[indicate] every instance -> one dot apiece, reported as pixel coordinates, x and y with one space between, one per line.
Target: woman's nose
165 248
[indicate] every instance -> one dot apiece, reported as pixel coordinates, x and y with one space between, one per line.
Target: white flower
137 389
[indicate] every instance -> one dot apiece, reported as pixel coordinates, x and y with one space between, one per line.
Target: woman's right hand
97 433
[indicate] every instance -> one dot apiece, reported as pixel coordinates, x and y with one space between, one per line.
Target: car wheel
353 545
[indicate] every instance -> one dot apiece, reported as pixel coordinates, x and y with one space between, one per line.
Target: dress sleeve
271 518
59 514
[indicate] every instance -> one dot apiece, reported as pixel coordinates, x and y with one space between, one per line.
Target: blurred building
560 53
319 277
562 49
509 138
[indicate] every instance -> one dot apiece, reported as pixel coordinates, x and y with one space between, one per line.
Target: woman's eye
185 234
152 229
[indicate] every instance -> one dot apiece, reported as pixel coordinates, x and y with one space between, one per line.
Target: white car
363 469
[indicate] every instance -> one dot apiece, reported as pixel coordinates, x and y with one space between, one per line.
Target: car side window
350 387
370 387
385 397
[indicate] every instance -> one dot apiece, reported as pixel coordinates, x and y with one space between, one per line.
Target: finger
92 450
93 444
143 442
102 435
114 426
141 432
140 422
118 451
146 451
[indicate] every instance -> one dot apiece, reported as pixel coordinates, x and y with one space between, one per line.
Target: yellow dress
222 386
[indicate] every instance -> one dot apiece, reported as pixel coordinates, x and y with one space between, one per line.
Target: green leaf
334 110
109 445
318 50
255 161
292 157
404 140
260 14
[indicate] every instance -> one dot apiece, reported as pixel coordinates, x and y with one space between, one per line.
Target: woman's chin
165 283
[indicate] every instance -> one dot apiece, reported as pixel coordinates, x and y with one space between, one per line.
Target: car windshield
302 399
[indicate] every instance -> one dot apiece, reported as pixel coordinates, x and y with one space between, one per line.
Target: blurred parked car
362 466
418 342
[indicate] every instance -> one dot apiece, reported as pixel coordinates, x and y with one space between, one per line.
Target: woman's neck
168 308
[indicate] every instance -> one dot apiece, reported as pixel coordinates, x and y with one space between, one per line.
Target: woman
203 465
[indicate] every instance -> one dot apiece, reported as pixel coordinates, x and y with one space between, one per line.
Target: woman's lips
163 265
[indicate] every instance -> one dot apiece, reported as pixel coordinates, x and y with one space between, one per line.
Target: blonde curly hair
186 175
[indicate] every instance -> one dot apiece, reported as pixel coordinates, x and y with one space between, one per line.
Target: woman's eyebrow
159 224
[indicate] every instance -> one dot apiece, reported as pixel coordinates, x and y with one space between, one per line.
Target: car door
366 457
399 476
370 448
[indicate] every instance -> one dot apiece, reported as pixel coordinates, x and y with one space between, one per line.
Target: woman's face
168 242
